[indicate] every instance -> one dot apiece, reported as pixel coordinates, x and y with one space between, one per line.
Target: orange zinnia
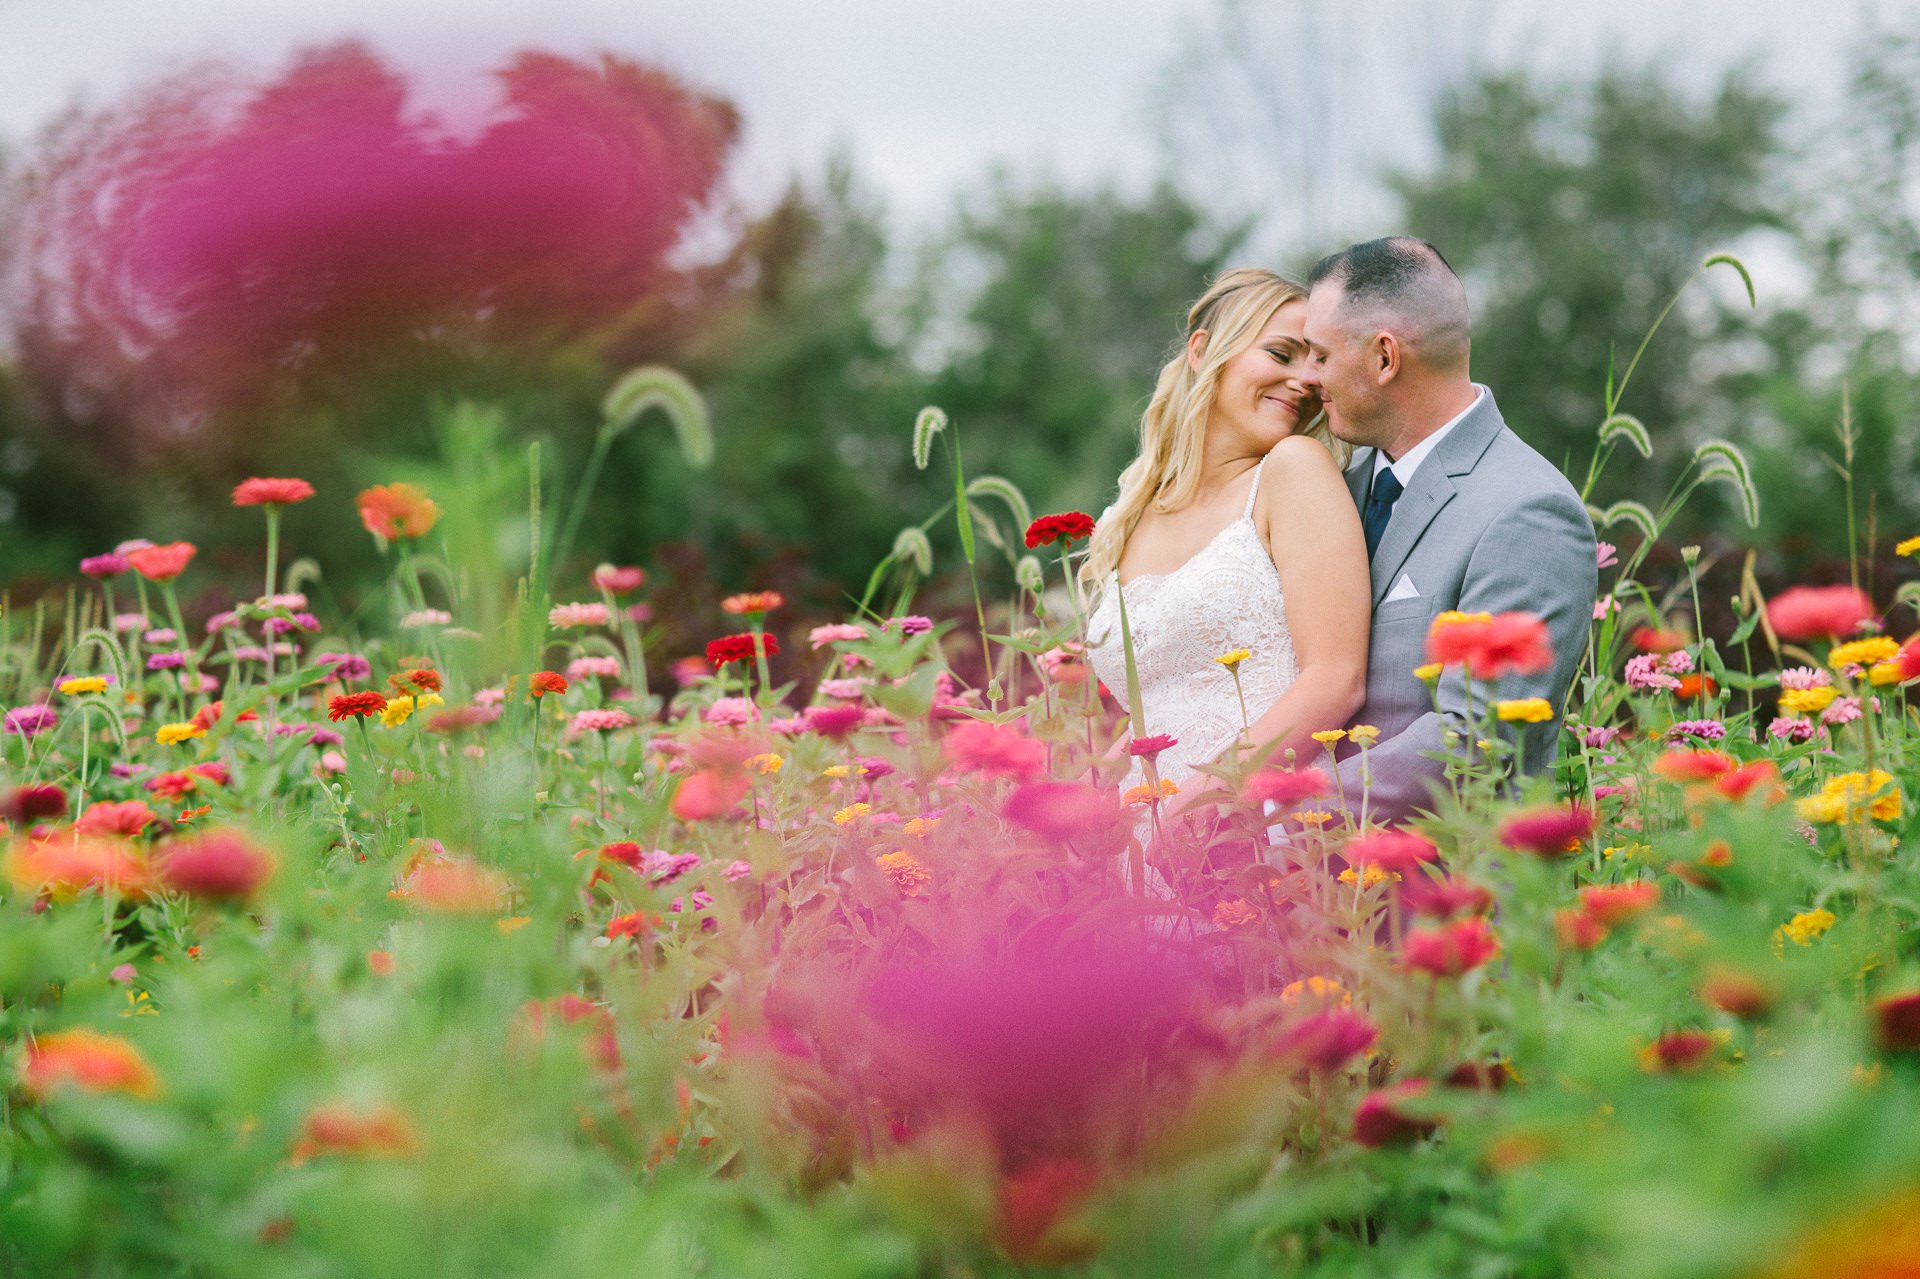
753 602
90 1061
392 511
161 563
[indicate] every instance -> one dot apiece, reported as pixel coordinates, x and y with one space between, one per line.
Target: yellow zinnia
921 827
1807 701
850 813
1324 990
1528 710
1881 674
766 764
1803 928
174 734
1233 659
1909 547
83 684
1428 673
1328 736
1862 652
396 712
907 874
1145 793
1365 734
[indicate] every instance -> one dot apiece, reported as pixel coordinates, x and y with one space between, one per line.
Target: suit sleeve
1536 556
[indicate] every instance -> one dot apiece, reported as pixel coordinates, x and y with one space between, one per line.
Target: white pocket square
1403 589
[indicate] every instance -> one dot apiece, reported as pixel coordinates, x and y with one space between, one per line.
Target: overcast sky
925 95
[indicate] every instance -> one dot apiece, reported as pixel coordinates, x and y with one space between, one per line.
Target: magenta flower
30 720
105 566
1149 747
1707 730
912 624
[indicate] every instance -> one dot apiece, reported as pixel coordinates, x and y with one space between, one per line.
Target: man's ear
1196 347
1386 353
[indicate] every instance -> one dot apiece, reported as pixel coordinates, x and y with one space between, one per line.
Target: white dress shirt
1410 460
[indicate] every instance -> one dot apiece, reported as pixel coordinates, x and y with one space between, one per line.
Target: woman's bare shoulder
1301 462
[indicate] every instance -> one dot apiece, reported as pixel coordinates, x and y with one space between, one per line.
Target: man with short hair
1459 512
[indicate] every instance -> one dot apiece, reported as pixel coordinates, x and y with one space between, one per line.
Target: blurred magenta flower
209 243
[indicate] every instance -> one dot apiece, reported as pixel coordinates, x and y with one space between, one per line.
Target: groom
1459 513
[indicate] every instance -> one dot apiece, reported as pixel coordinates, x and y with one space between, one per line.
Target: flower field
464 932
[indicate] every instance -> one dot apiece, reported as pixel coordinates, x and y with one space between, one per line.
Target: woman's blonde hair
1165 475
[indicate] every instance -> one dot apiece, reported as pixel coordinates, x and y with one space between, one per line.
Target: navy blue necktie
1379 510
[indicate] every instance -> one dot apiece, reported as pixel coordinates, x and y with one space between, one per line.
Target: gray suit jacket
1486 526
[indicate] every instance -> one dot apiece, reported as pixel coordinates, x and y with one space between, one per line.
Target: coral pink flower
455 886
1548 832
218 864
1451 949
618 579
1284 787
1062 810
1577 930
709 793
603 721
271 492
1326 1040
1398 852
90 1061
1615 904
752 602
1382 1118
821 636
1818 612
394 511
592 613
340 1129
1002 749
1489 647
64 867
161 563
128 818
1692 766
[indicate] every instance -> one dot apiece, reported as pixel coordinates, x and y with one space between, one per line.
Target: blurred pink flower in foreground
209 241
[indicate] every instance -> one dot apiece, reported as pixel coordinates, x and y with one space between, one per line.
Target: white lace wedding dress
1226 597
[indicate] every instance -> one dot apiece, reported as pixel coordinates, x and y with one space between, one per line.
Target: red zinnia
1489 647
392 511
1898 1021
161 563
1678 1050
1696 685
349 705
1578 930
1548 832
1151 746
1380 1121
271 492
27 803
1818 612
1326 1040
1740 782
1444 898
1909 659
542 682
1065 529
1650 639
1452 949
740 648
420 679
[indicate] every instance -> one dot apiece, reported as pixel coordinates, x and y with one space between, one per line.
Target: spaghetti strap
1253 490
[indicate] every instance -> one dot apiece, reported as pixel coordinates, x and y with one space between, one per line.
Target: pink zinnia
594 668
845 689
1787 729
821 636
604 721
1398 852
1818 612
832 721
912 624
1284 787
731 712
978 746
1444 898
1649 671
271 492
219 865
29 720
1149 747
589 614
1843 710
1707 730
1326 1040
619 580
1062 810
1451 949
1548 832
102 566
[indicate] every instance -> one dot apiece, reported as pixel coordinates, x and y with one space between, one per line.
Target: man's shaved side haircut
1404 285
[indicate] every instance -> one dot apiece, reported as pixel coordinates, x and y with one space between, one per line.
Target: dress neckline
1246 517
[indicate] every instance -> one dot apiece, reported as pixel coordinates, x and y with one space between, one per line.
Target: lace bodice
1227 596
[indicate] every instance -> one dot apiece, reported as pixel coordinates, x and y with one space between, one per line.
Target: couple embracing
1318 478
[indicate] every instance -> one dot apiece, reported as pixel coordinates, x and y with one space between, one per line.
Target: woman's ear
1196 347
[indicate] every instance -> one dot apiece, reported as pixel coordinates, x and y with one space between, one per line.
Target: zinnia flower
1548 832
977 746
29 720
339 1129
601 721
906 872
1062 810
592 613
174 734
540 683
1326 1040
1284 787
1615 904
63 868
350 705
161 563
1382 1120
619 580
218 864
271 492
1451 949
30 803
1706 730
393 511
836 722
83 684
747 605
1063 529
1149 747
104 566
1818 612
88 1060
821 636
1897 1021
1526 710
1393 851
1489 646
740 648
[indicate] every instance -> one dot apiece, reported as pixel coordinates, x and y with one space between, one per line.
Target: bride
1233 530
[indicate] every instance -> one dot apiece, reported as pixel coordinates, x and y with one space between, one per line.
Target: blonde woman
1234 529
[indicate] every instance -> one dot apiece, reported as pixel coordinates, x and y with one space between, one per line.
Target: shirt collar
1410 460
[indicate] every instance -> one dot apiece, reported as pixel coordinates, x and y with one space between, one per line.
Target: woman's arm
1313 534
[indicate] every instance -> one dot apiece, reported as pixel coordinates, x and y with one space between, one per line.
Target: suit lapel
1360 477
1432 489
